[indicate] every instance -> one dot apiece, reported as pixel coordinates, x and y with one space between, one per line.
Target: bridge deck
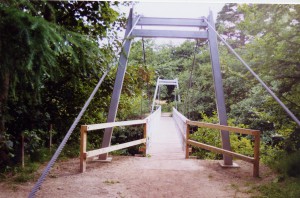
165 141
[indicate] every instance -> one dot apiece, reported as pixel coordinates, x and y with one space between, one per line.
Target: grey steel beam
162 81
114 103
155 93
183 22
169 34
218 84
177 85
168 84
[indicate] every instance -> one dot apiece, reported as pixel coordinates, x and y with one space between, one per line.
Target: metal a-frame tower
160 82
205 32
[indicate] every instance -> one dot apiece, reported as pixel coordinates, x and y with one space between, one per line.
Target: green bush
41 155
70 151
168 107
289 188
25 174
287 164
290 164
34 143
239 143
270 155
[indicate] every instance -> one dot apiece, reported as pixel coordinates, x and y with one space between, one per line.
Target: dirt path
144 177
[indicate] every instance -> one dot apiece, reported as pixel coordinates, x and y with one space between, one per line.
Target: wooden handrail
221 151
255 133
113 148
223 127
92 127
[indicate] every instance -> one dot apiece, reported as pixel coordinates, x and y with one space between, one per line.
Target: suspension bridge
165 137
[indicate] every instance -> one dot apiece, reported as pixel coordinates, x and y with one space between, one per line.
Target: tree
227 24
275 37
47 45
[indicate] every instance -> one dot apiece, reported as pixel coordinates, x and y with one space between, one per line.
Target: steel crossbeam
169 34
175 22
168 82
183 22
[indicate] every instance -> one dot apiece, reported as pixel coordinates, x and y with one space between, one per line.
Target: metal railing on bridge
184 123
149 127
180 121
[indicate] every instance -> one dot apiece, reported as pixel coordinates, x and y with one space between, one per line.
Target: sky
174 9
186 9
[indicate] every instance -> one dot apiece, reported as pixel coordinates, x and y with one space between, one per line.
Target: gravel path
144 177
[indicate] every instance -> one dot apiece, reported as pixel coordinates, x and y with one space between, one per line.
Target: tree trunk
4 86
3 99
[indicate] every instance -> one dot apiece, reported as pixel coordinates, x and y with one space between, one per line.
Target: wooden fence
84 154
254 160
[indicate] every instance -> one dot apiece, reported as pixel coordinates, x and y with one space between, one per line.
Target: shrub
25 174
240 144
290 164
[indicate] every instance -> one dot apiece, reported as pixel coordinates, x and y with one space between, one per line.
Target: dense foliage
52 55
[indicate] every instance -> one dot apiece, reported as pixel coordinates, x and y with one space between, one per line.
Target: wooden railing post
83 139
186 141
145 136
256 154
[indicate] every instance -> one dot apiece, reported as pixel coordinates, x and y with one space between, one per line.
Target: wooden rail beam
221 151
222 127
114 124
113 148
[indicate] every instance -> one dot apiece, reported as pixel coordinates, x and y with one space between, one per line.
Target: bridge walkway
165 141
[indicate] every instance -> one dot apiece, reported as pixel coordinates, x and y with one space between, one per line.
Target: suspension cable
255 75
145 64
144 61
63 143
144 53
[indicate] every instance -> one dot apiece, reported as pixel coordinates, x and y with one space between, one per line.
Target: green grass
17 174
289 188
25 174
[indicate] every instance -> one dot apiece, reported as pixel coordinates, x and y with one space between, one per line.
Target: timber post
83 140
145 137
187 150
256 154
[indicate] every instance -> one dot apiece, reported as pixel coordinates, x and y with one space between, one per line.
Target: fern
32 46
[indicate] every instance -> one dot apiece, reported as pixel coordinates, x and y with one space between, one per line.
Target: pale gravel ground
144 177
